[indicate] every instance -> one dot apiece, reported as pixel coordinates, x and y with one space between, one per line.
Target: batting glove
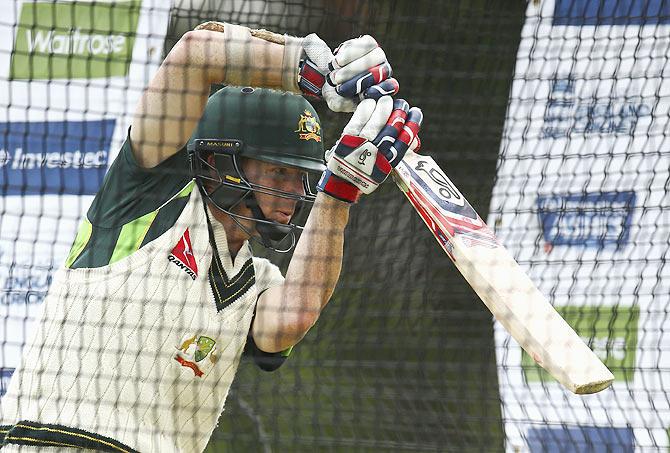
372 144
357 70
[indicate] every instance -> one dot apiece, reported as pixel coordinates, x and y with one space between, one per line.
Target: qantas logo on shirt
182 255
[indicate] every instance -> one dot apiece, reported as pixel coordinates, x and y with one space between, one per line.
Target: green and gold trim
80 242
49 435
226 291
97 246
133 233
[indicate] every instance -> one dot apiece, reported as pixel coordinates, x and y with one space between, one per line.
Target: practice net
549 116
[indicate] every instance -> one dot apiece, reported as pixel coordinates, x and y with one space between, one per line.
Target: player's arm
285 313
174 101
372 144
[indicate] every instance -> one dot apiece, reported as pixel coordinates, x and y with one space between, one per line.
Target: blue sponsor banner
581 439
5 376
611 12
55 157
566 114
592 219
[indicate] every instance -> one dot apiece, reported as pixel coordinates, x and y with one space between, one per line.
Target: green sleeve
130 191
125 214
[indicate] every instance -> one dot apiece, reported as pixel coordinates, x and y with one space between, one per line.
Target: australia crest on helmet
308 127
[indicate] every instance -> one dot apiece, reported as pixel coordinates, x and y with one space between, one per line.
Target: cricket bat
498 279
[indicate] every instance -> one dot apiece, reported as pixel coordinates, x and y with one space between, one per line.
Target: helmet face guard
226 186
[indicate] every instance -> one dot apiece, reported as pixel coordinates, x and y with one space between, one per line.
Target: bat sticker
439 188
447 189
472 233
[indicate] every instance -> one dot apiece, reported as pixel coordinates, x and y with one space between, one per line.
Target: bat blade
498 279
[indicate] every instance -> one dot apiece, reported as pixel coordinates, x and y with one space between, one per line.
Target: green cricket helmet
256 123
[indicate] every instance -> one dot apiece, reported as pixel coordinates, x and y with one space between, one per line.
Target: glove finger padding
388 87
378 118
335 102
387 136
360 118
353 49
364 80
340 75
406 136
415 147
357 122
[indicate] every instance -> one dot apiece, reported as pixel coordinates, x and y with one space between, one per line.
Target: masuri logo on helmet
264 121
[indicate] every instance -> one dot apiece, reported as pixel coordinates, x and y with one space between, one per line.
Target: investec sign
55 157
82 39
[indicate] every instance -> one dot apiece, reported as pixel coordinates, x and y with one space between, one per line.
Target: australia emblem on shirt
198 353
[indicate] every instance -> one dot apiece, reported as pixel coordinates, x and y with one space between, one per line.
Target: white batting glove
357 70
374 141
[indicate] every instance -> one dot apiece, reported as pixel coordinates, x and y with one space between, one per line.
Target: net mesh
553 114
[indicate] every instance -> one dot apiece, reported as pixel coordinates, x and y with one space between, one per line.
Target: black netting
550 117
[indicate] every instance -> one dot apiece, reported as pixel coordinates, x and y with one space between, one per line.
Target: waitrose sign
68 40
